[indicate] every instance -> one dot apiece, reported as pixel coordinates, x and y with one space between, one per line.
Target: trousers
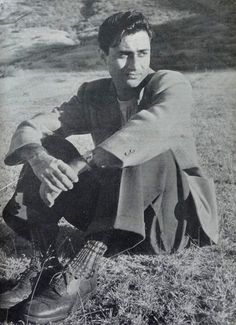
146 208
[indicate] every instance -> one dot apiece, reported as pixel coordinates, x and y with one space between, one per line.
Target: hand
48 196
57 175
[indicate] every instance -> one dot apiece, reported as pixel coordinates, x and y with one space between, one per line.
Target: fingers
59 181
47 195
49 183
44 195
67 170
56 174
60 176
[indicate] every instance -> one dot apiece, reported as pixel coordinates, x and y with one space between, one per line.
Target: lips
132 75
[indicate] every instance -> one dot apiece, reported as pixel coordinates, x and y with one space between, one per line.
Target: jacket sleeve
70 118
162 126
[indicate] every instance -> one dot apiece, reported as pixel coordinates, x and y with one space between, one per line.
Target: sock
86 261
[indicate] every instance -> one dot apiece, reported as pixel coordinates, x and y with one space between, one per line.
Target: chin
133 83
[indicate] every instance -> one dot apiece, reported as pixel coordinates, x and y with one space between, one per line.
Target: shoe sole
8 304
28 319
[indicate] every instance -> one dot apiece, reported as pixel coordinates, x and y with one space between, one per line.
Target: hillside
48 49
189 35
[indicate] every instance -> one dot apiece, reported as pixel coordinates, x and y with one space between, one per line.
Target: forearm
164 125
31 152
26 142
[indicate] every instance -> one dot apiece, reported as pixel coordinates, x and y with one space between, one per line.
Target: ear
103 55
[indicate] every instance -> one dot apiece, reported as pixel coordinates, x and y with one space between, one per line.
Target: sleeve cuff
102 158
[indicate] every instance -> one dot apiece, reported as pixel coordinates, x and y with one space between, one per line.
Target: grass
196 286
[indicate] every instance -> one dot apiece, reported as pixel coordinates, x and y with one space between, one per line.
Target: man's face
128 63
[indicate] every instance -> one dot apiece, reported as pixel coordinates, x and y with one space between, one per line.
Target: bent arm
69 118
164 125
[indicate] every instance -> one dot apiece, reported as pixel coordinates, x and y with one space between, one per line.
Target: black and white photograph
117 169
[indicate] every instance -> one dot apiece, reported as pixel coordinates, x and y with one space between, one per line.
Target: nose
133 62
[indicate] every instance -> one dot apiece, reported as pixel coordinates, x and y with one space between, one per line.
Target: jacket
163 122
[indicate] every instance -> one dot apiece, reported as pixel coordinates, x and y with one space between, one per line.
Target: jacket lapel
106 106
105 113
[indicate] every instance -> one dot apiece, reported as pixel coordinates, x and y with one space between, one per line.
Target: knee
7 215
60 148
14 222
168 161
166 166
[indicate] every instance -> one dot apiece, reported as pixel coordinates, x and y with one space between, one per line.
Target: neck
126 94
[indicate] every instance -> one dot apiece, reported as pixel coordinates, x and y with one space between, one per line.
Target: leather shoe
21 290
65 292
31 279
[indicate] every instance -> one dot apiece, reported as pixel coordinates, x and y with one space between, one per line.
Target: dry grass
196 286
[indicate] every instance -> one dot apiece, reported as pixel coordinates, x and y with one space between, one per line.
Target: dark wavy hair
120 24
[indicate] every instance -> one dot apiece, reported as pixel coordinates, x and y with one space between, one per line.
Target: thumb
47 195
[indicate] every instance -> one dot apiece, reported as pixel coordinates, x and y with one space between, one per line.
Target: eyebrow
144 50
130 52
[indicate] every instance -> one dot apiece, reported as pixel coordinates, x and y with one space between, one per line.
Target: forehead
137 41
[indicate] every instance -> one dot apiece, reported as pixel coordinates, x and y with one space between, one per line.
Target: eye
143 53
122 55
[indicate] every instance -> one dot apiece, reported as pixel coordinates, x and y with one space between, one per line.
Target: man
140 186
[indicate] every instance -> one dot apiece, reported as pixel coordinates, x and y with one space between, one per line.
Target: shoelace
83 265
29 273
60 280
